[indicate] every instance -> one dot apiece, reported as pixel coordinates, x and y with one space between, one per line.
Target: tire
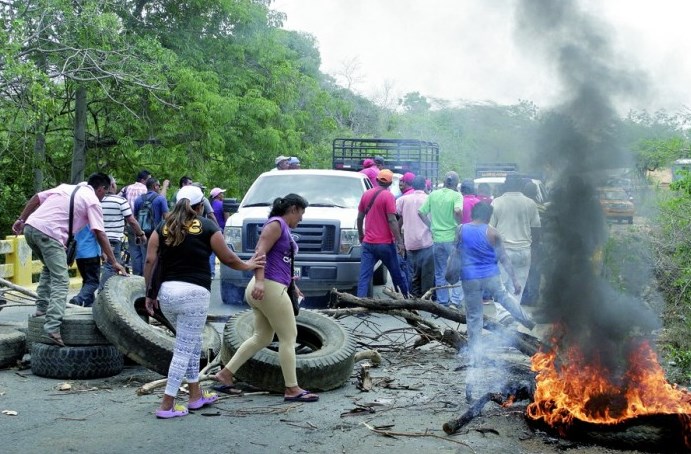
78 328
324 360
12 346
83 362
117 318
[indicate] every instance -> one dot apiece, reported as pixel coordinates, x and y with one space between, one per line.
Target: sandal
176 411
304 396
53 339
39 313
207 398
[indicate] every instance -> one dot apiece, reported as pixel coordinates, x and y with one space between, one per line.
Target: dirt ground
415 392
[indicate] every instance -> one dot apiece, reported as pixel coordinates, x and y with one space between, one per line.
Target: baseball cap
367 163
191 193
408 177
451 179
385 176
215 191
293 160
281 158
468 187
378 160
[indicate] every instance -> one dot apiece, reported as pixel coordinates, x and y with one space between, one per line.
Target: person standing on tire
178 279
44 221
267 293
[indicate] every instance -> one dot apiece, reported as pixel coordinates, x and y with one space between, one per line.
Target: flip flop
302 397
176 411
227 389
53 339
39 313
206 399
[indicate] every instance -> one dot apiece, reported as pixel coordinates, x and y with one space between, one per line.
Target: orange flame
569 387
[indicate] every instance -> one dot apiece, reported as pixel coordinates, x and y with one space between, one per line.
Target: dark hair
282 204
150 183
419 183
98 180
484 189
482 211
467 187
183 180
143 175
530 190
513 183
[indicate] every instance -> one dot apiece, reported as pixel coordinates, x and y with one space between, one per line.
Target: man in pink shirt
469 200
405 184
380 236
417 237
45 223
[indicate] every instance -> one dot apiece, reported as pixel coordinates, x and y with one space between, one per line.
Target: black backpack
145 216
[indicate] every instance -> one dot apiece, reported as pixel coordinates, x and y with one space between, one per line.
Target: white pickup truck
329 248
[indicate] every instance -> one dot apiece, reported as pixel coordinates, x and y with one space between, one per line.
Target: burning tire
12 345
77 363
325 353
117 315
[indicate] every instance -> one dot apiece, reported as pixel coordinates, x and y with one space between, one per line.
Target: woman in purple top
267 293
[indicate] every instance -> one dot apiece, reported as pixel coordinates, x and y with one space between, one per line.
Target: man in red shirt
380 237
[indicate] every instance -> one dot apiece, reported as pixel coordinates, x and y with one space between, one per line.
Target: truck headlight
349 240
233 237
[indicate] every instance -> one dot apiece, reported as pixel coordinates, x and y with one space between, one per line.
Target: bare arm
151 257
132 221
393 226
425 219
29 208
458 215
360 226
270 234
103 241
229 258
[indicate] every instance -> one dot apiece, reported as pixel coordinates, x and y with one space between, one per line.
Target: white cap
281 158
191 193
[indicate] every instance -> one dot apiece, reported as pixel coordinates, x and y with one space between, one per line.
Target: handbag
292 290
453 264
71 251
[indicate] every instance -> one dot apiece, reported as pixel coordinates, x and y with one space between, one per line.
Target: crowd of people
175 245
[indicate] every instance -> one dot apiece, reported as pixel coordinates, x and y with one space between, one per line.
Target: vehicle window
615 195
324 190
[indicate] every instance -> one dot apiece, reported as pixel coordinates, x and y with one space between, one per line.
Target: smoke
578 140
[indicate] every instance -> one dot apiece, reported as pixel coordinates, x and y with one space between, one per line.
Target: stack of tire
12 346
87 353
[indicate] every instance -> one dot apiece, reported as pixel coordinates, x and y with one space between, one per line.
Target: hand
150 304
256 261
119 269
258 290
516 288
400 247
18 227
166 184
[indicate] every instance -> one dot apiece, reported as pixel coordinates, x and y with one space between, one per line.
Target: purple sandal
176 411
207 398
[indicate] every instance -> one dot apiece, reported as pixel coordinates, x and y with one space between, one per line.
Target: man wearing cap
381 239
216 195
282 163
442 213
417 238
371 170
405 184
293 163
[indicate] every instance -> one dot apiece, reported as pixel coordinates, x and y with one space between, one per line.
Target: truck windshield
319 190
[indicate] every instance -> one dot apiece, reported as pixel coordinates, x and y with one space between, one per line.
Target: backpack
145 215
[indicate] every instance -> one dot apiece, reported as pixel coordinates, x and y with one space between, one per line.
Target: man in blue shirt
160 209
89 266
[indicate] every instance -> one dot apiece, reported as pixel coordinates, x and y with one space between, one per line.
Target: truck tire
77 328
12 346
117 318
325 353
80 363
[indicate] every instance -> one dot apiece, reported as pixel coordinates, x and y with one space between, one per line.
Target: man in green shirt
442 213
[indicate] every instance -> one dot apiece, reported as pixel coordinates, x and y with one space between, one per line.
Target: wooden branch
390 433
148 388
371 355
17 288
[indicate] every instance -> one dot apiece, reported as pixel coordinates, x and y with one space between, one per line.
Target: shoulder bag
71 251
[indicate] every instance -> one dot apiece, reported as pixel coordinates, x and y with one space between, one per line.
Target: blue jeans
90 270
441 255
421 263
107 271
389 256
474 288
212 265
137 254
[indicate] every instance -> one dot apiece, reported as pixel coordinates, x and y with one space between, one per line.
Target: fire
570 387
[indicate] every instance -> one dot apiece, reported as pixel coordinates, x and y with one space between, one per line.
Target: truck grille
311 238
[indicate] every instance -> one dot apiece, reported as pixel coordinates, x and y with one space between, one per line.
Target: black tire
81 363
77 328
117 318
12 346
325 353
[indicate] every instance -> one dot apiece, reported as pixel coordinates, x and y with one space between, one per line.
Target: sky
468 51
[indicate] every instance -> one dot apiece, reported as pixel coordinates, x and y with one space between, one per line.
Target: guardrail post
20 258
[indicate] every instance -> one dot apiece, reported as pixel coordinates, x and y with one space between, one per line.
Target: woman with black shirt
182 245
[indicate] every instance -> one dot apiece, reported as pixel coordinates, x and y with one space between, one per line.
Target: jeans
389 256
212 265
107 271
137 254
54 280
421 263
90 269
474 289
441 255
520 261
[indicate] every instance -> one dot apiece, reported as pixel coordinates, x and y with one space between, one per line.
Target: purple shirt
217 205
277 266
